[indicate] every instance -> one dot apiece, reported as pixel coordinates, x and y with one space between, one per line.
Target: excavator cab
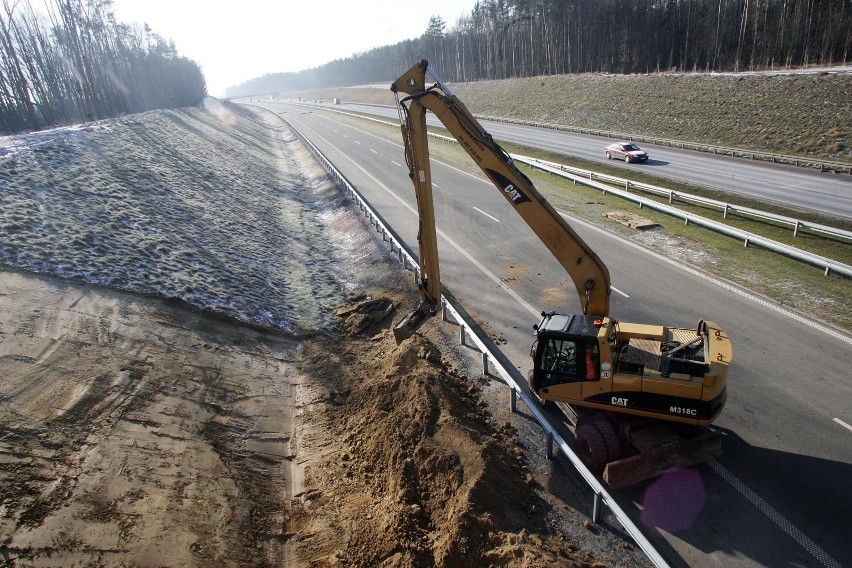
566 350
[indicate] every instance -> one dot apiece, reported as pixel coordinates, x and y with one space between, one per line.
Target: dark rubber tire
591 447
610 438
627 159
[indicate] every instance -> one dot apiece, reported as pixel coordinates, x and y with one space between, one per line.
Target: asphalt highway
796 187
780 494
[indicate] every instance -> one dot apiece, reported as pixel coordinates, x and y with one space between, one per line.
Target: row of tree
74 62
522 38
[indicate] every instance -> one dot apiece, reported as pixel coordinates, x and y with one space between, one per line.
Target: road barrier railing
511 376
672 196
589 178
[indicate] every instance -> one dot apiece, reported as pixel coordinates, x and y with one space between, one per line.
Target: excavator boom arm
588 273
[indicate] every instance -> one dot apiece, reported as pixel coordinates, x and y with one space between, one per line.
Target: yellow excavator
638 395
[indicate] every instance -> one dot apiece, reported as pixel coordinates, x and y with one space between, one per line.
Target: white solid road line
491 276
842 423
842 336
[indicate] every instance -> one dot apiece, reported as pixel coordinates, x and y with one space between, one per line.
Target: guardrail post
443 310
513 400
745 243
796 229
485 363
416 275
402 259
596 508
548 446
725 211
461 335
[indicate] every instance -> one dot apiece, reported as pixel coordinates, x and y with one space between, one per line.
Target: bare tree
78 63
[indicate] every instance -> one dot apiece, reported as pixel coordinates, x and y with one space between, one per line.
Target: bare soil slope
218 410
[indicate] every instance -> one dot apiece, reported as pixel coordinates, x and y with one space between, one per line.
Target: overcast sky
240 40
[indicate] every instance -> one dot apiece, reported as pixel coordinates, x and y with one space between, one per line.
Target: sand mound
418 476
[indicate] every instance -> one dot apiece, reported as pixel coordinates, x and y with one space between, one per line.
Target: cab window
559 360
566 360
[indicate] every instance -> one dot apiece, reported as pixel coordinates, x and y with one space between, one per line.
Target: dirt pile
420 476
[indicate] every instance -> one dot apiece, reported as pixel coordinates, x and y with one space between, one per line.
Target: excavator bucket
412 322
638 468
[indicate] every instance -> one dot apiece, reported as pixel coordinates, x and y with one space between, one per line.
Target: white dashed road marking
486 214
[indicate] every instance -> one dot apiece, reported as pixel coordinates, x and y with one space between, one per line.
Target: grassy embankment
804 115
762 112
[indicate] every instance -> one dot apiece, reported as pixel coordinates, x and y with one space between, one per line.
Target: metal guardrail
828 265
726 208
586 177
511 376
821 165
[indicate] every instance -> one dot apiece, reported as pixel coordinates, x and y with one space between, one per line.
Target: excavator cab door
595 380
556 361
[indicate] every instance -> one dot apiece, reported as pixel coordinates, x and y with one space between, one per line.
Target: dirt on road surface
215 412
